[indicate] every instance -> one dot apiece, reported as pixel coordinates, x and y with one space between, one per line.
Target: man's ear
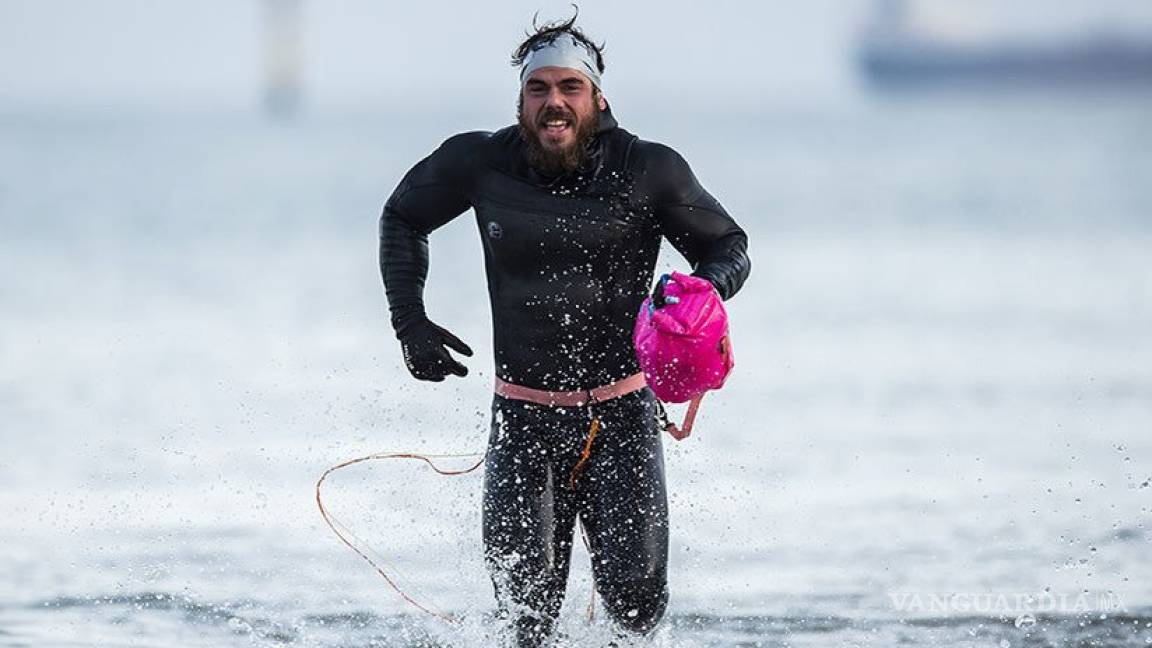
602 102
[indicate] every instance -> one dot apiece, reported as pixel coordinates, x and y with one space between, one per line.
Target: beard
558 161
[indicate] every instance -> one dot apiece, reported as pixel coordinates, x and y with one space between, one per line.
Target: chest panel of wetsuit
568 265
533 232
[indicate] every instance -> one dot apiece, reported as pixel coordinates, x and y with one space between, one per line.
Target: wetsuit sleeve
432 193
695 222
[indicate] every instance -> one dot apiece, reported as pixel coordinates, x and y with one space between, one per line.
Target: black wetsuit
568 261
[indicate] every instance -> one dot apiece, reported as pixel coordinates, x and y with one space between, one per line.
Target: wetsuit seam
449 185
690 205
508 173
533 210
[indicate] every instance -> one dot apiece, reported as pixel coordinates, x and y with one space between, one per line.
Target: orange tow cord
398 455
585 454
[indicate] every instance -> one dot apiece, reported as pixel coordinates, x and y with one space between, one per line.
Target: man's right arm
695 222
432 193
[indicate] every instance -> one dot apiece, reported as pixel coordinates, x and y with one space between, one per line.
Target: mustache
549 114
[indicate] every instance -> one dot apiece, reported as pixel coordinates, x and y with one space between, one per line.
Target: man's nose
555 98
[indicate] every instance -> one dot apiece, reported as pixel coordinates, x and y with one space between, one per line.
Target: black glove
658 299
423 343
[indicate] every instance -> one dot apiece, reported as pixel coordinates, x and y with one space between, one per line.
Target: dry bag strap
682 432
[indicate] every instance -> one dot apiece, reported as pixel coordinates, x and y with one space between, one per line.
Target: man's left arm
695 223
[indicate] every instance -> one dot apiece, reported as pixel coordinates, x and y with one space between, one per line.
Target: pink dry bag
683 345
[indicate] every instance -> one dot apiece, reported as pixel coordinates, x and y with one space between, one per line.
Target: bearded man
571 209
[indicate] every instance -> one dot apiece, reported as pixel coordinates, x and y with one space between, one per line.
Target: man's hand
423 343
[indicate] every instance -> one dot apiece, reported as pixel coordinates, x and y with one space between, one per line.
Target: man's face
559 113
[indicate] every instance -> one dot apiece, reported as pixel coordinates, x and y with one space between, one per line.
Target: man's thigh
528 512
625 505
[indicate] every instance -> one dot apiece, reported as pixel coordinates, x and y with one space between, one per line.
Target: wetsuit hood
607 120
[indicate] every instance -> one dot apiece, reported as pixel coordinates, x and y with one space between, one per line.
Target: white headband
563 51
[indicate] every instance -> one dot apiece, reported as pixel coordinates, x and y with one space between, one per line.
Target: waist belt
577 398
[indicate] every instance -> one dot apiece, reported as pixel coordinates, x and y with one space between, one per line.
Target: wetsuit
569 260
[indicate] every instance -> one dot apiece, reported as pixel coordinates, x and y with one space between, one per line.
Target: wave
262 621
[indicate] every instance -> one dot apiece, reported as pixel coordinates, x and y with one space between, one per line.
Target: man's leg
528 515
625 511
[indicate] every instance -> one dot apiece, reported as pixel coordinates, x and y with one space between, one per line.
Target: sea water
938 431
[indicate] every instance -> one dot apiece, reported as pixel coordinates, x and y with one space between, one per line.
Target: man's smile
556 128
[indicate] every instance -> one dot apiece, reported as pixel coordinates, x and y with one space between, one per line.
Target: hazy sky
209 52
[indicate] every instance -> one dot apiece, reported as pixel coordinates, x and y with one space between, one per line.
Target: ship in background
894 53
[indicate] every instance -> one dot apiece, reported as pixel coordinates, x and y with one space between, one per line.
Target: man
571 209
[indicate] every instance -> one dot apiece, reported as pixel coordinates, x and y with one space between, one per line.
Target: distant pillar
890 19
283 57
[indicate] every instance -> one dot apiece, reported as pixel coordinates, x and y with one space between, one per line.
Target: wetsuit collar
607 121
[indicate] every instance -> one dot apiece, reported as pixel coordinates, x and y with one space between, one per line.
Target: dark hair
549 32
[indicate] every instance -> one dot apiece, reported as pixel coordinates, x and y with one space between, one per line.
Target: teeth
556 122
